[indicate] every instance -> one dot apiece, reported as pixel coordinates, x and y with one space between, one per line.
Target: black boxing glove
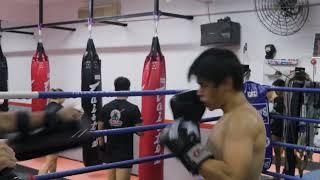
183 139
183 136
187 105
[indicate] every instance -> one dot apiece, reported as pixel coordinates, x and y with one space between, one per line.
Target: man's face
212 96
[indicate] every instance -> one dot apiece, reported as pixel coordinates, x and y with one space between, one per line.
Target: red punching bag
40 76
153 112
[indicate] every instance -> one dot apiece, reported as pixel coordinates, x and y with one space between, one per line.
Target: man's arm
7 157
237 155
8 120
101 127
139 133
138 120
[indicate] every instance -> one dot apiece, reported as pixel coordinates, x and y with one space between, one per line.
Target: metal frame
101 19
14 31
53 27
104 19
20 32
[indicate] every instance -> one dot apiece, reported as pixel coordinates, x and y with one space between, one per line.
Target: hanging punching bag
91 81
40 76
3 80
153 112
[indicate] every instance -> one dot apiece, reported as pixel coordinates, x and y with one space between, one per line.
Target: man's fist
187 105
183 139
7 157
183 136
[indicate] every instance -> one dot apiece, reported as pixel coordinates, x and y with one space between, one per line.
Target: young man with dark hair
236 145
276 97
119 113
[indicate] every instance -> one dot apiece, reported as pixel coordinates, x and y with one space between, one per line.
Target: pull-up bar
106 19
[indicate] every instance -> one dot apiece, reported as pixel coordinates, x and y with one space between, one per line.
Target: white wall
123 50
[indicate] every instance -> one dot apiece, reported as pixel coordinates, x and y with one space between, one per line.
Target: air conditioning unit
101 8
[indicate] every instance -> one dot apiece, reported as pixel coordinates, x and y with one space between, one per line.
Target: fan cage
282 17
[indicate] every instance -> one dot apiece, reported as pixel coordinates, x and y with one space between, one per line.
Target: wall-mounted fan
282 17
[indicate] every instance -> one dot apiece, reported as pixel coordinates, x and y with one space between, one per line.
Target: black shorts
277 127
112 155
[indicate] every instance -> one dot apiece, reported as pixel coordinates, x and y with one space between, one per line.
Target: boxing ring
31 95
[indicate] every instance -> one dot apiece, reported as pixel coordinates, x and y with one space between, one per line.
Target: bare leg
50 165
112 174
123 173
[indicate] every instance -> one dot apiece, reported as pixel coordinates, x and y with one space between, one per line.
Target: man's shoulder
130 104
246 118
110 104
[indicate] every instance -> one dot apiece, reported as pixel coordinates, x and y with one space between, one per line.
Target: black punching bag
3 80
91 81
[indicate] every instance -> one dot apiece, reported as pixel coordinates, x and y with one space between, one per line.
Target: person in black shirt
119 113
277 124
53 106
